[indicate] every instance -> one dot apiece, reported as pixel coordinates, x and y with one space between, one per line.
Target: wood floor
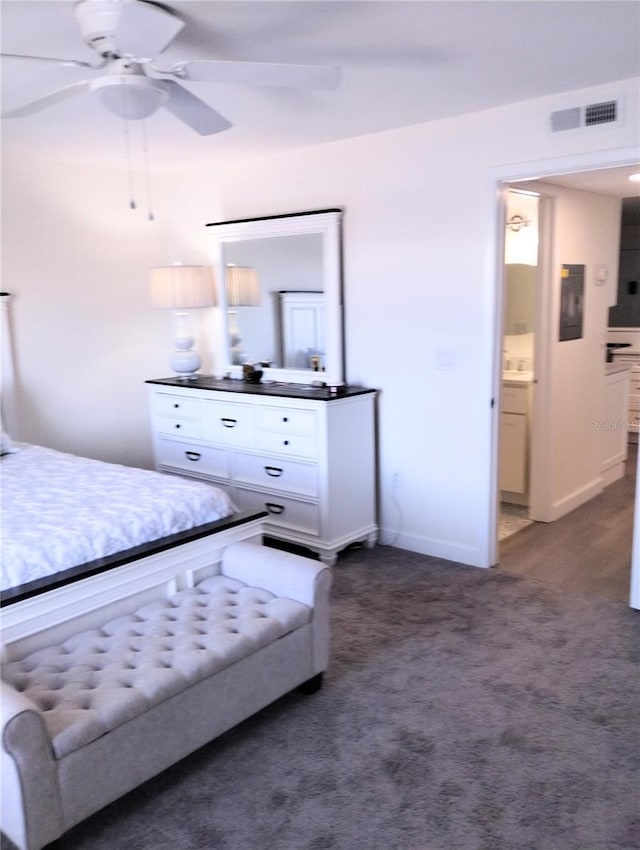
588 550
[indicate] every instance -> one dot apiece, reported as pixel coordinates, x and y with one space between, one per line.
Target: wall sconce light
516 222
183 288
243 290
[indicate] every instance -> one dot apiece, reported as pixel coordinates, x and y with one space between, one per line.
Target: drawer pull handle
285 442
228 423
176 404
285 418
192 456
273 508
273 471
178 425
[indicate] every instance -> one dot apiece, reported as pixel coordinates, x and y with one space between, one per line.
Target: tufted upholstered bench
88 718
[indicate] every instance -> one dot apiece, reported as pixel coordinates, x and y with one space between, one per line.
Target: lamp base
185 363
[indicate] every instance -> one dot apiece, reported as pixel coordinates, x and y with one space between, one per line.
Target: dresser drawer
190 429
276 474
293 445
197 459
287 420
228 424
176 406
285 512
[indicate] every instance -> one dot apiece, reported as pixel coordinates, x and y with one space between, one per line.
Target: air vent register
593 114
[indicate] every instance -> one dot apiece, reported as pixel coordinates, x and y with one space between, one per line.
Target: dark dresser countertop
264 388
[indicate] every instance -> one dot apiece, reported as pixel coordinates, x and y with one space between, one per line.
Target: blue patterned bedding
60 511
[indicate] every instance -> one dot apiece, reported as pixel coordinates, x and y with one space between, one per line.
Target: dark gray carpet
464 709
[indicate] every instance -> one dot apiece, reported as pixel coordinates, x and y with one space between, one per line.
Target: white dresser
303 455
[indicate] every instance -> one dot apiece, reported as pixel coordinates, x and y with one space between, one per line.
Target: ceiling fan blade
193 111
258 74
72 63
144 29
48 100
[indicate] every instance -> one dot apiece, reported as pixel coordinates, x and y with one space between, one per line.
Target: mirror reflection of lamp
181 289
243 290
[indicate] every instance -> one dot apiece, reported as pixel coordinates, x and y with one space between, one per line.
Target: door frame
501 179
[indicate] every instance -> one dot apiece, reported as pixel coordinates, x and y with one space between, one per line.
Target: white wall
76 260
588 233
585 231
418 240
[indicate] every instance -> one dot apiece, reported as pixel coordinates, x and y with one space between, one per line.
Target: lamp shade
182 287
243 287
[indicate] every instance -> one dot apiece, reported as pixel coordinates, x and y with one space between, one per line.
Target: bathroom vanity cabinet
305 455
514 440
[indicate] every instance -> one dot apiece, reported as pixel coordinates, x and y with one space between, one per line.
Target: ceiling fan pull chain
145 150
127 143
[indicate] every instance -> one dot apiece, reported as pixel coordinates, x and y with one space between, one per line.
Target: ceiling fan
127 36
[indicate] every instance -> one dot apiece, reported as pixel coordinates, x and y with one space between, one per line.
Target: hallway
588 550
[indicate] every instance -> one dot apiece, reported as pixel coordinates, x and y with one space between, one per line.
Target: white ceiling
402 63
606 181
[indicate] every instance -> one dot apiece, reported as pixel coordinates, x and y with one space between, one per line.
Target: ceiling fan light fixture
129 96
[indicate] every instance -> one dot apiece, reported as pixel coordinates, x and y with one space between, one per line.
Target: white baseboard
613 473
574 500
468 555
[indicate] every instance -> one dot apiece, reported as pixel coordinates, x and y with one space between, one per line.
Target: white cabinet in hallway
631 359
615 423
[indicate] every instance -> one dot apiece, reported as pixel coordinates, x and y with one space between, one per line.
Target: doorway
521 287
596 166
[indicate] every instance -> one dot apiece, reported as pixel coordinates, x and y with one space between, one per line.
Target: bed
61 512
66 518
80 534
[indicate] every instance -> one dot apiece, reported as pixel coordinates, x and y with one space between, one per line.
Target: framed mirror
520 299
280 295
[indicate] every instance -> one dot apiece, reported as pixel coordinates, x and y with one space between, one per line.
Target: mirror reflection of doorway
302 323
